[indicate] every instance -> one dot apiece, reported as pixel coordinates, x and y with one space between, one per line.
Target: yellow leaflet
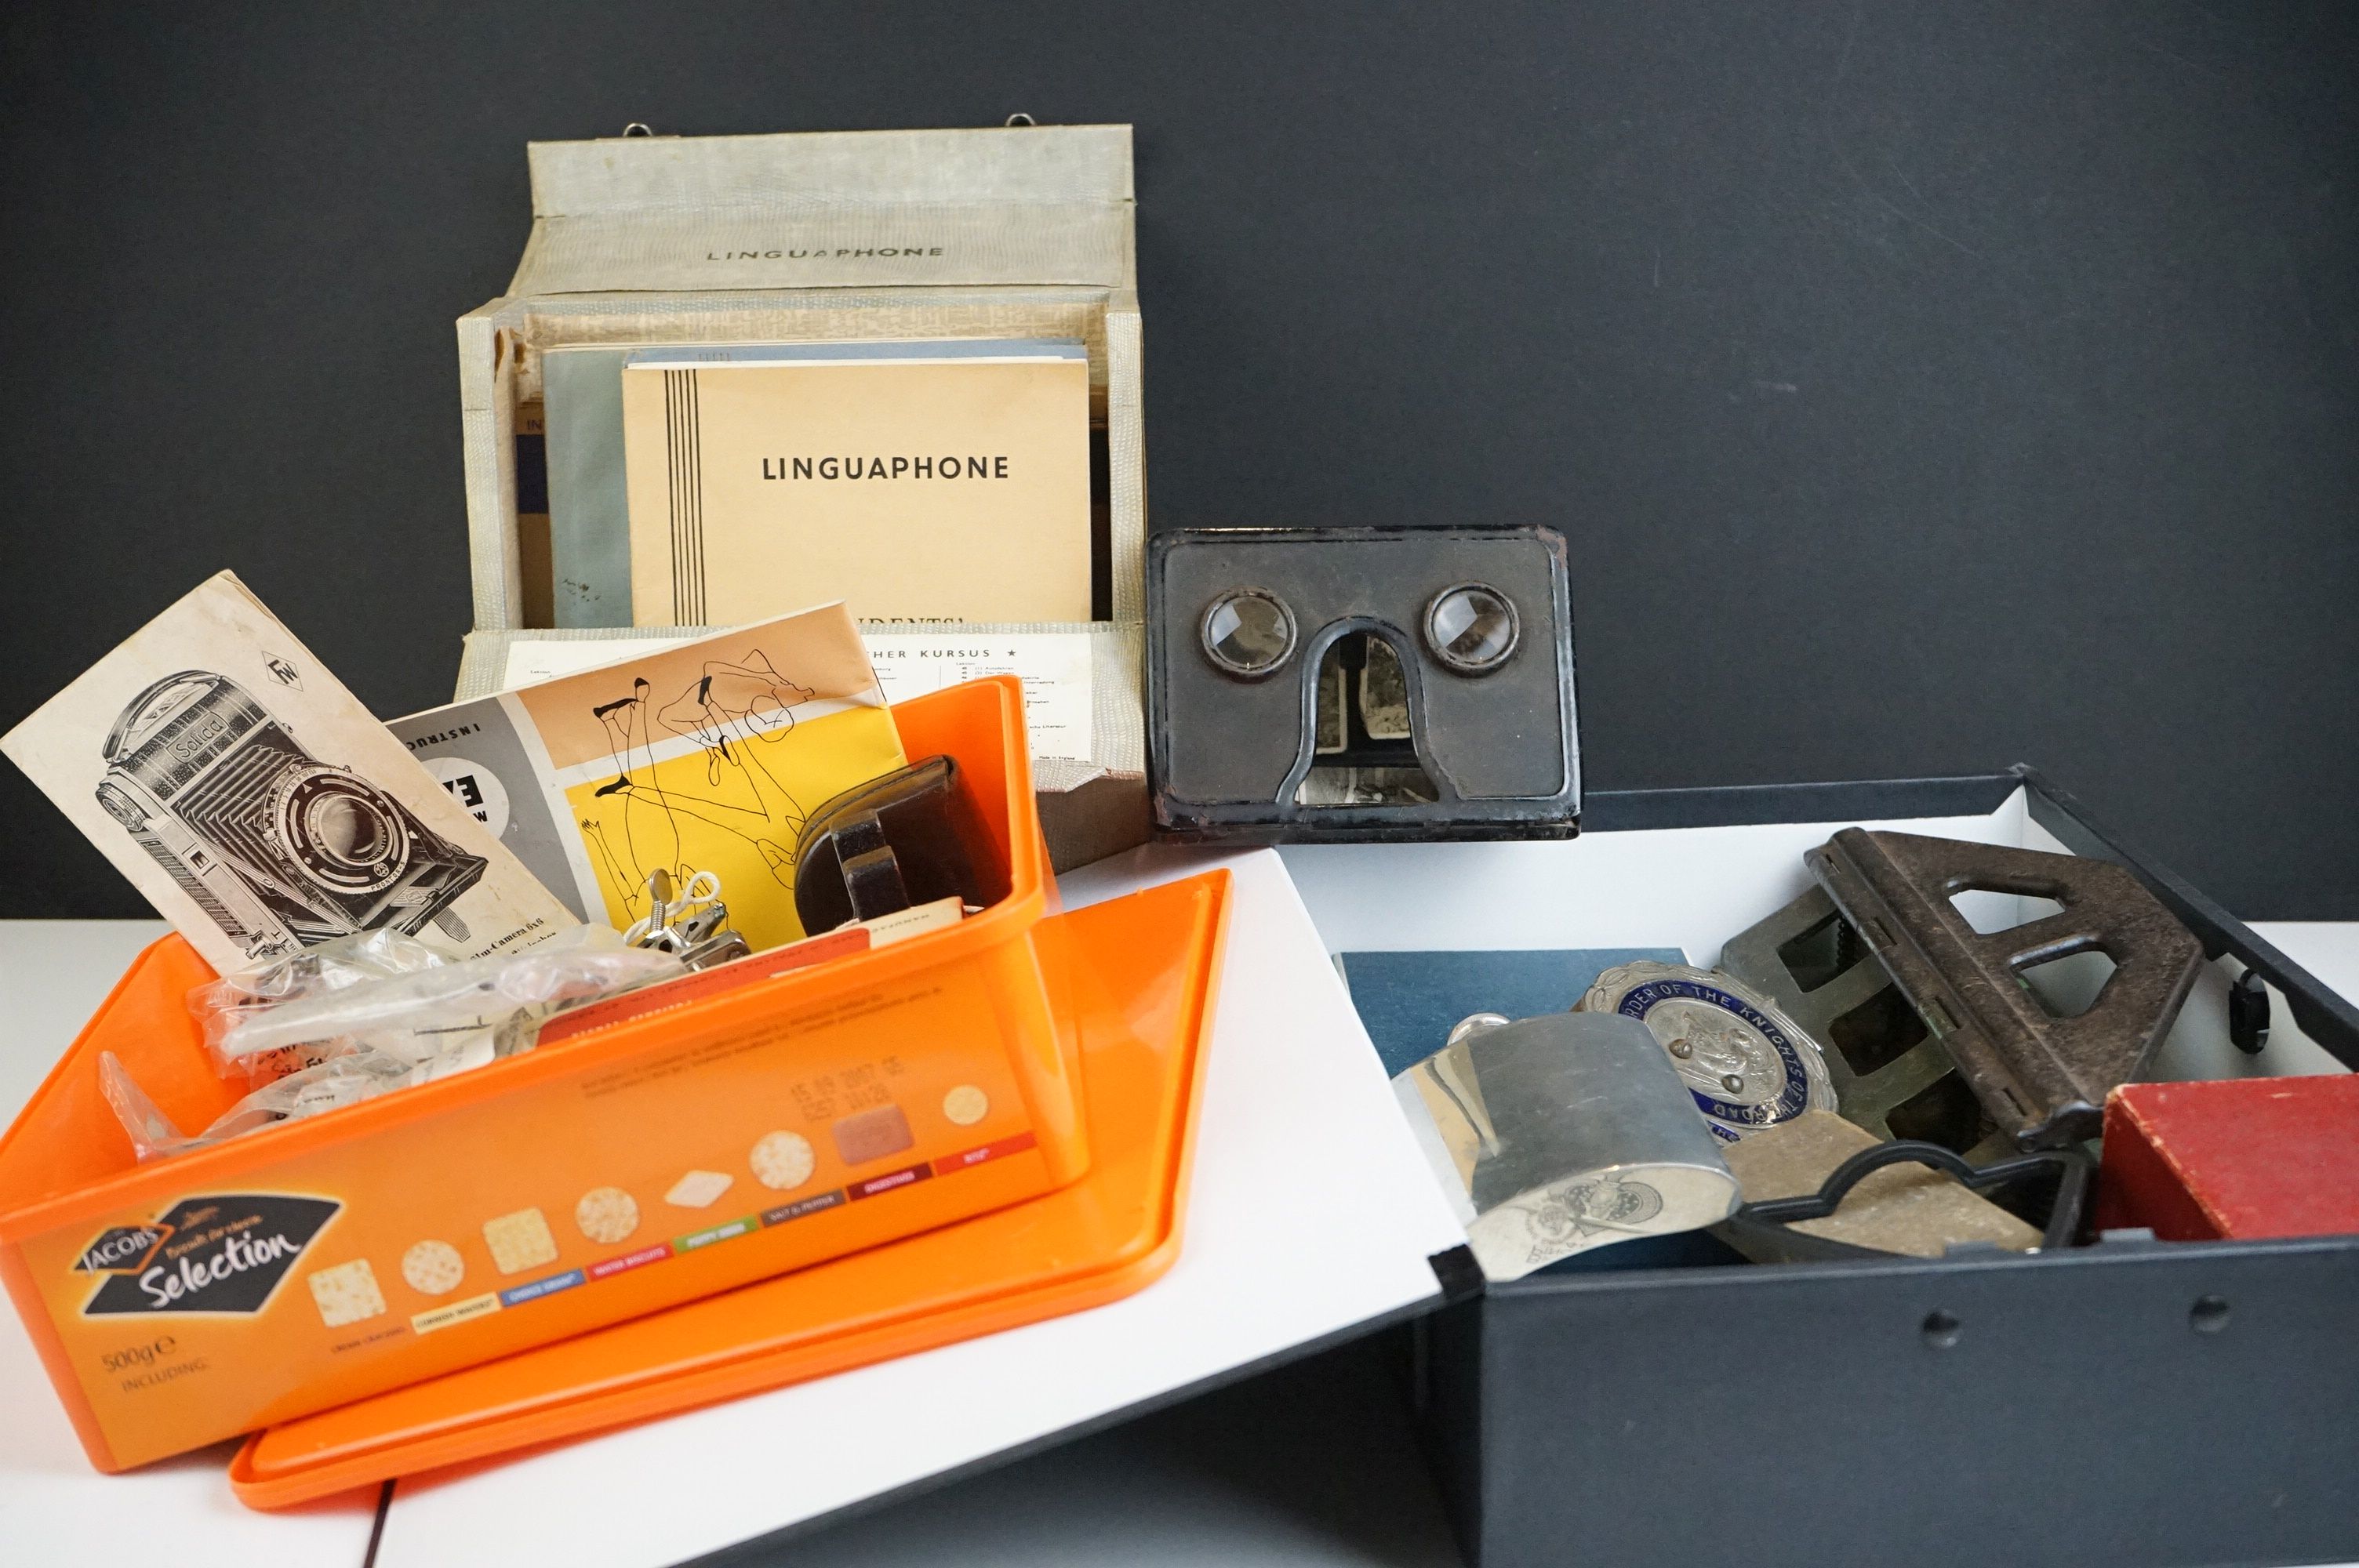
732 807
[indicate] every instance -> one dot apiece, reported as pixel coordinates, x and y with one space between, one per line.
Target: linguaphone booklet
915 480
258 806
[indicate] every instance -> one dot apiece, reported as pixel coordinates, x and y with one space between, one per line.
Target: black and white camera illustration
281 849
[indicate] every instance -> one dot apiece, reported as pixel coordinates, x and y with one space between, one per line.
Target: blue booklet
1410 1001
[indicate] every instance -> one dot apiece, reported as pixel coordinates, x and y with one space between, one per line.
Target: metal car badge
1747 1065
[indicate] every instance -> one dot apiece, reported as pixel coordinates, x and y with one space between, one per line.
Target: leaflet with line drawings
259 806
701 755
651 815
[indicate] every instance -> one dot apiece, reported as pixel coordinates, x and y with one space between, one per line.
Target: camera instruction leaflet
258 806
698 755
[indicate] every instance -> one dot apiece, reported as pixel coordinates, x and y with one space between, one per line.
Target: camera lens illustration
345 833
282 849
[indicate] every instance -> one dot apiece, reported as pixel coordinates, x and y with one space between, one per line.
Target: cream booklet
914 481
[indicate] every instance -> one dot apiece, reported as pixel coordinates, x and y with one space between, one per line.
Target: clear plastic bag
366 1035
416 1015
340 1080
231 1007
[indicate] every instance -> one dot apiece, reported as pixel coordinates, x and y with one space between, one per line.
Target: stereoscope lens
1248 632
1471 628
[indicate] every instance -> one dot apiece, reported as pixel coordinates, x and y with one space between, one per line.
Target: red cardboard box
2246 1158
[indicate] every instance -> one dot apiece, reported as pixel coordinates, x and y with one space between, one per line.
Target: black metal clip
2248 1012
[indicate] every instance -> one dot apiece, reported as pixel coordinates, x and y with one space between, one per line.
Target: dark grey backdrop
1924 386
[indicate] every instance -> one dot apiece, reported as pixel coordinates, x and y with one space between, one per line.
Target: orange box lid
1143 972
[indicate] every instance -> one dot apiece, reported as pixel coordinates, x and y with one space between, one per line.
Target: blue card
1410 1001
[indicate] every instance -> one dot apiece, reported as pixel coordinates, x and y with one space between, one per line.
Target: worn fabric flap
1029 205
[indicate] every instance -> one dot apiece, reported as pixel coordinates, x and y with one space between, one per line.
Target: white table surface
1312 1463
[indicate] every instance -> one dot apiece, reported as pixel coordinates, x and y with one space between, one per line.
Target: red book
2236 1157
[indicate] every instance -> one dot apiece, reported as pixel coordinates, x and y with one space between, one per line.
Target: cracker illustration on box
433 1268
607 1214
699 1189
519 1241
872 1135
966 1104
346 1293
782 1161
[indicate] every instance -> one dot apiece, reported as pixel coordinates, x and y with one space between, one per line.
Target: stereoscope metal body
1357 683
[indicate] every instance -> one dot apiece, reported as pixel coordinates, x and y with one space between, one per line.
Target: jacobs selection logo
224 1252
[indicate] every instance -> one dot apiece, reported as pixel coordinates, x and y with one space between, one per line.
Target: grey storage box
2131 1402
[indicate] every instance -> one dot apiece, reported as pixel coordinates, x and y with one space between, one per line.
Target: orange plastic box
1145 971
659 1158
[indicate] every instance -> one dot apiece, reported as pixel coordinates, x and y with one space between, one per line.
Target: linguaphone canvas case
1020 232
